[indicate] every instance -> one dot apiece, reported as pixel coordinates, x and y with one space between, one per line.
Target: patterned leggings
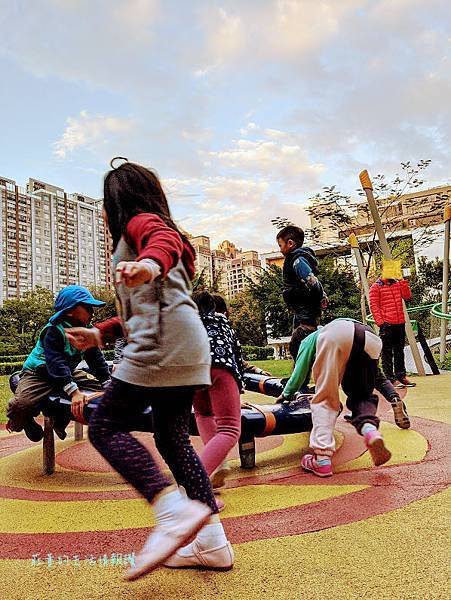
171 411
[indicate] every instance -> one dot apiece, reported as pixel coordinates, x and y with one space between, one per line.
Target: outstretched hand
83 338
133 273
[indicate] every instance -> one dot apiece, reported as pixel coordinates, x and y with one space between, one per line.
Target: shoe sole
148 568
202 567
401 418
316 472
379 453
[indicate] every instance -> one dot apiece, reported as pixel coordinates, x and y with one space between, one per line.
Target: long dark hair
129 190
220 304
205 302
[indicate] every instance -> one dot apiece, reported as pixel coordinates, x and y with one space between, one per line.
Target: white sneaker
193 557
165 540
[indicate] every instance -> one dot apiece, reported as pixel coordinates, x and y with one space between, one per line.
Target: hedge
249 353
12 357
9 366
257 352
6 368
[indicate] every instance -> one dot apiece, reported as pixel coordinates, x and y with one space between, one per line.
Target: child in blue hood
52 366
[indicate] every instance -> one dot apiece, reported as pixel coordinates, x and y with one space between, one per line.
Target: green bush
9 364
6 368
257 352
12 357
446 364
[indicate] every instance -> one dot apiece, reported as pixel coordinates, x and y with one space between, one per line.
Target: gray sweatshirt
167 345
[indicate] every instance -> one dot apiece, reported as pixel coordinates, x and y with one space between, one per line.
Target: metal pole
445 282
368 189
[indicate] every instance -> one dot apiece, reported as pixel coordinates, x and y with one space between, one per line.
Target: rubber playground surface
365 532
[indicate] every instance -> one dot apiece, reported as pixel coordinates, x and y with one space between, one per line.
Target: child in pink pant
218 408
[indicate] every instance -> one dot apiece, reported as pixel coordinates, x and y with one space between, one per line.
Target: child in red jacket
386 296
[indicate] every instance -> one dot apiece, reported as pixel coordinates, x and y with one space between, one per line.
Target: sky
245 108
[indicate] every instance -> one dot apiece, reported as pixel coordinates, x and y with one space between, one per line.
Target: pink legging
218 417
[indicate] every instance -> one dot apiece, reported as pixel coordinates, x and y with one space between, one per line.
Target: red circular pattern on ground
83 457
389 488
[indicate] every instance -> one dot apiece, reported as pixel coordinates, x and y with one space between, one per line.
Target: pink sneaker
308 463
376 447
220 504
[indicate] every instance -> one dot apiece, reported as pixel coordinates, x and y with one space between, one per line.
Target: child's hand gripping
78 401
135 273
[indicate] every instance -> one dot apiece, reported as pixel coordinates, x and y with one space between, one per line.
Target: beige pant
333 349
33 390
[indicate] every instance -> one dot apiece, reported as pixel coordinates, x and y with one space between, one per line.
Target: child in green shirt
343 352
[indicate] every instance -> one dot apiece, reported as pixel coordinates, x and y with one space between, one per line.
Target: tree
201 282
21 320
248 319
426 282
108 295
341 289
266 291
344 215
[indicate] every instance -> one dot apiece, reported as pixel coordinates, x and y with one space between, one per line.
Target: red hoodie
151 238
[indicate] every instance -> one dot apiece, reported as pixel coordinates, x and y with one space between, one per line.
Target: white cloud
89 132
268 158
225 35
254 106
137 16
232 208
272 30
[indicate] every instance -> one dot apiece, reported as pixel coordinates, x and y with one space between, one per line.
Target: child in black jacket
302 291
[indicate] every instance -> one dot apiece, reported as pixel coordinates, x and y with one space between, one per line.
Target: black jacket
302 291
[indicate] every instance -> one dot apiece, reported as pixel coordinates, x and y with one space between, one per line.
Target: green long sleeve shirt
304 362
303 366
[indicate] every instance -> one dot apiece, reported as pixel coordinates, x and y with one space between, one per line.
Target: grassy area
278 368
5 395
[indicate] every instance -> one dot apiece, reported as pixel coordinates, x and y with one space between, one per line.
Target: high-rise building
227 266
203 262
244 267
50 238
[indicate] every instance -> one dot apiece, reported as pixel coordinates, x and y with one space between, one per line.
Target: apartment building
50 238
227 266
408 212
203 262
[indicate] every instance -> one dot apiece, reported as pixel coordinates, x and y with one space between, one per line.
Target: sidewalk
366 532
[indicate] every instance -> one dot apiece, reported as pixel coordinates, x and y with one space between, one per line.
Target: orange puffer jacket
386 296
